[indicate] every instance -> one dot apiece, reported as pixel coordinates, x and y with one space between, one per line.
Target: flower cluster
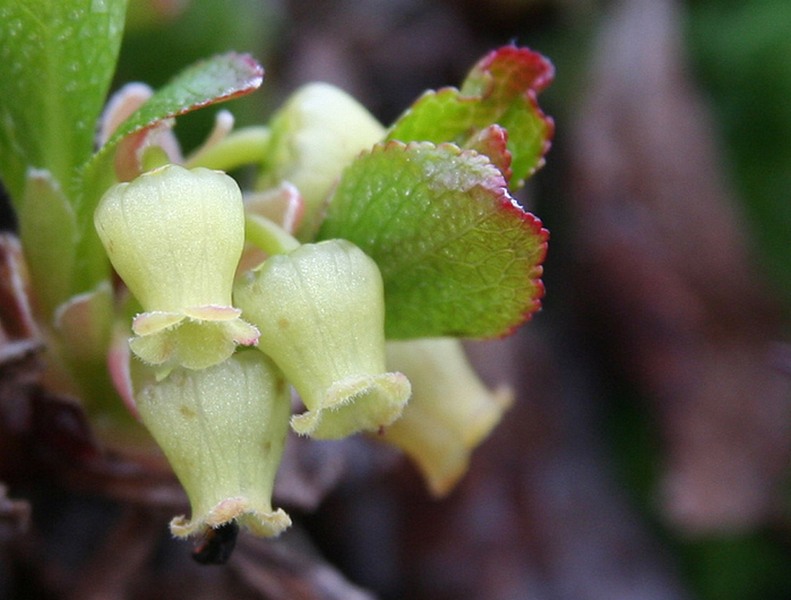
315 314
330 296
338 279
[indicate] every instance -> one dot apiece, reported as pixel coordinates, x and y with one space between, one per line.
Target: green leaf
458 256
57 59
493 142
501 89
83 324
207 82
48 232
217 79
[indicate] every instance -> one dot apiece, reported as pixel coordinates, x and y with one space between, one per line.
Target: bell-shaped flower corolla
317 132
175 237
320 310
450 413
223 430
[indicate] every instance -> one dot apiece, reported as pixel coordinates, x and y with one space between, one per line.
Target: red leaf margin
518 70
503 204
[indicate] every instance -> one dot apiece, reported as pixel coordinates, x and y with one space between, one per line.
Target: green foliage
209 81
57 59
46 209
162 37
500 89
457 255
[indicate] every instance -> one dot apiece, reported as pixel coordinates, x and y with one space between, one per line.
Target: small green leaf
56 62
48 232
83 324
493 142
207 82
501 89
457 255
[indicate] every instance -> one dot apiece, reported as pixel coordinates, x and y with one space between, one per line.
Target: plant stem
268 236
243 147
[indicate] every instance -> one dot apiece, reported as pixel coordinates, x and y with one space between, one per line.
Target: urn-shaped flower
450 413
175 237
223 430
315 135
320 310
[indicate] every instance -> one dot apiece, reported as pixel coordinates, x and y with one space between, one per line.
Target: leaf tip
530 69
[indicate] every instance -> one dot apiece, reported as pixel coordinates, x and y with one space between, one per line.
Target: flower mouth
363 403
188 340
240 510
156 320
